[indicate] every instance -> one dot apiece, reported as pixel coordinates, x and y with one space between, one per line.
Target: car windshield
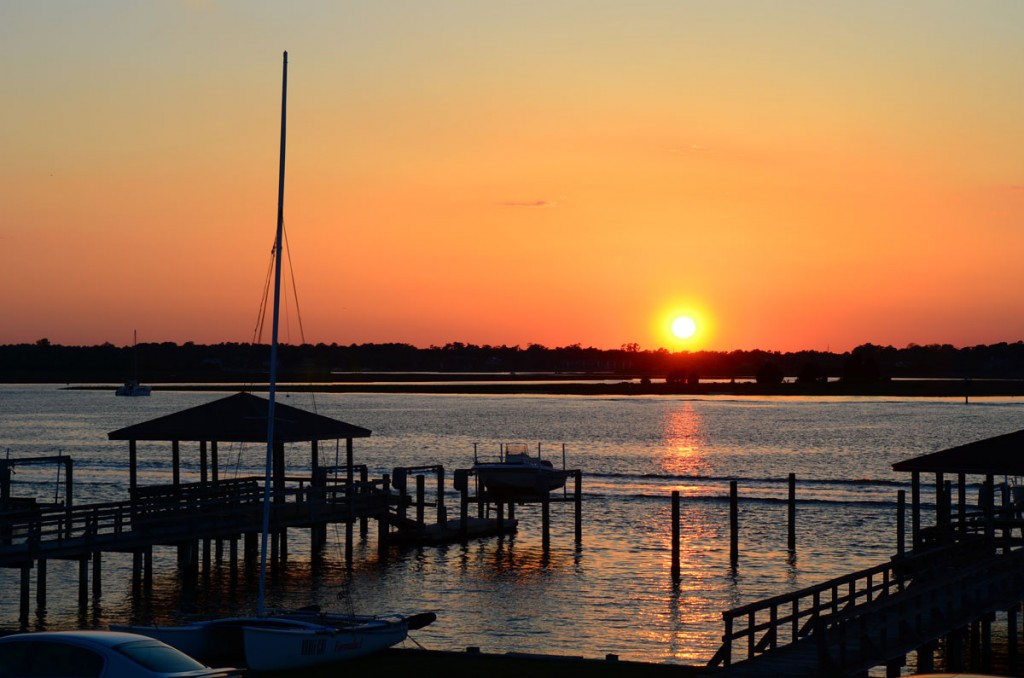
156 656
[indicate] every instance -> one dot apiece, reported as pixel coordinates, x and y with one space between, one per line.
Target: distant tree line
169 362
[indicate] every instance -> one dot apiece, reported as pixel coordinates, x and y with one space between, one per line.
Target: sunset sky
793 175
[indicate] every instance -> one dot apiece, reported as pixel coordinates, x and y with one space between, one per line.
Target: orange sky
797 175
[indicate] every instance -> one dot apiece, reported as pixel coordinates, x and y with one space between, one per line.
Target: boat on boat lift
516 474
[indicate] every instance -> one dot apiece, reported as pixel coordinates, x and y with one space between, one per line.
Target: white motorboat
518 474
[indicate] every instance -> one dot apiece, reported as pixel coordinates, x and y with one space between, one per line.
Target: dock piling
734 523
901 520
545 519
26 571
675 536
578 503
41 584
421 493
791 522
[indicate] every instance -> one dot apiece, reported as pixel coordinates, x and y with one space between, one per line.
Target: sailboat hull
275 649
282 642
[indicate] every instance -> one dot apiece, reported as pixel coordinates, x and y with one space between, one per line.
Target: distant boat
517 474
133 387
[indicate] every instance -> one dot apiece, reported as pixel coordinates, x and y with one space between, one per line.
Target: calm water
614 593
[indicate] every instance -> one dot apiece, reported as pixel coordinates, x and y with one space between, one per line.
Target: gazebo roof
1001 455
240 418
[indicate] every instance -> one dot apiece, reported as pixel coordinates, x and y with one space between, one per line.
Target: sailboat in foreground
291 639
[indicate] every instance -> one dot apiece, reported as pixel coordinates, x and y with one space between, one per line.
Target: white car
97 654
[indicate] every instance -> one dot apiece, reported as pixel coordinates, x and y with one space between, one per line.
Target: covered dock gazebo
241 417
991 458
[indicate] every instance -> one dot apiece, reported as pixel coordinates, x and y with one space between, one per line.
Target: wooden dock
188 516
948 587
874 617
191 516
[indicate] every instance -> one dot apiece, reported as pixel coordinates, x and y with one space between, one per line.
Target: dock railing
964 589
163 513
768 624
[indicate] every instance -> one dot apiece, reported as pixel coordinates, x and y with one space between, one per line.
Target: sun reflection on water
684 452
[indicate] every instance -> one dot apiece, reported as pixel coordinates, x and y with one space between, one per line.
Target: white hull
280 642
276 649
508 479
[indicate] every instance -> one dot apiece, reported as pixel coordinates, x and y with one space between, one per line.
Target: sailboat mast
273 345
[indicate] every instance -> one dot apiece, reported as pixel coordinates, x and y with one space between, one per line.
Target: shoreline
926 388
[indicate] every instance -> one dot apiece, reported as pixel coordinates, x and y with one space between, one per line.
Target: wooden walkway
874 617
175 514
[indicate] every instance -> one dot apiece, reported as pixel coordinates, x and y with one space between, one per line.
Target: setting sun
684 327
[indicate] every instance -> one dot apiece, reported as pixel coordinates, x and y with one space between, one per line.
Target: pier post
926 658
1011 637
402 486
941 504
442 511
382 521
791 514
734 523
915 509
251 547
233 557
901 520
41 584
349 543
975 645
989 507
132 468
955 651
986 643
147 571
675 535
578 502
464 509
97 575
364 522
545 519
421 497
961 501
26 571
136 570
175 463
202 462
83 585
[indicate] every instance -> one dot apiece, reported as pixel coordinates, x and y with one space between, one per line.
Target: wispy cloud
529 204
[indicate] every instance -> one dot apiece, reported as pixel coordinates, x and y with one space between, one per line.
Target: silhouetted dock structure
418 530
961 569
202 518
